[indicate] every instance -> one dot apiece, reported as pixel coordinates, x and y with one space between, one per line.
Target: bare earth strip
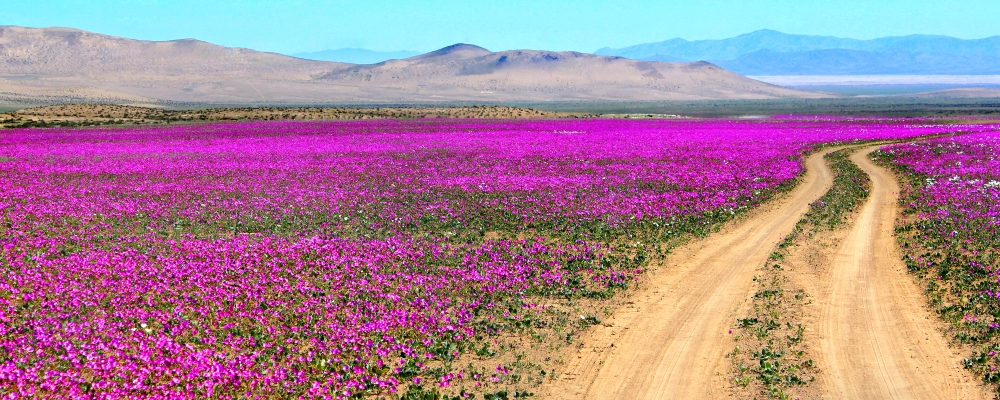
877 340
672 342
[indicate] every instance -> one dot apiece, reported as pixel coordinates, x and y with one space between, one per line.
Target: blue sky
582 25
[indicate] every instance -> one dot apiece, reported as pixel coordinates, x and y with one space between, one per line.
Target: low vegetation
76 115
770 359
414 259
887 106
950 236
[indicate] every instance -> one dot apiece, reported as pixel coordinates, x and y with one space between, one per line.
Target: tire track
672 342
877 340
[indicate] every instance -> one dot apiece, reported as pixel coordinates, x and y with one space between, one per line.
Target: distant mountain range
57 65
768 52
857 62
356 56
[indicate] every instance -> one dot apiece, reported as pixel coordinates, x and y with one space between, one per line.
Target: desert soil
671 342
868 325
875 337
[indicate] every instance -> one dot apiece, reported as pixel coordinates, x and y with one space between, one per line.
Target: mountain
63 52
460 70
356 56
728 49
458 51
768 52
39 65
855 62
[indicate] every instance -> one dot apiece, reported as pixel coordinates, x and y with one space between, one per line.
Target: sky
422 25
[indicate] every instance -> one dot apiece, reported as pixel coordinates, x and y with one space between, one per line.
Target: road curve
672 341
877 340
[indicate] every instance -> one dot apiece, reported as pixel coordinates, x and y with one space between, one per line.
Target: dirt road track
672 342
876 338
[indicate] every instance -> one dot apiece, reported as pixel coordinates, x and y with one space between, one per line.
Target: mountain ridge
856 62
571 74
69 51
769 52
56 60
766 39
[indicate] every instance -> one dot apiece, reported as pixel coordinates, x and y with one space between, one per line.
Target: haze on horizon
582 25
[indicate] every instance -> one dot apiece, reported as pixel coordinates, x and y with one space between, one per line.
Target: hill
63 52
463 70
37 65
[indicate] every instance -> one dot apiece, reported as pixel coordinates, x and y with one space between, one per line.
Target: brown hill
37 65
466 70
61 52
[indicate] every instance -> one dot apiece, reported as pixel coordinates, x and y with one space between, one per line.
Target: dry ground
875 337
673 340
867 324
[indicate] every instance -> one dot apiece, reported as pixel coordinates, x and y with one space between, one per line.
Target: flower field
952 236
344 259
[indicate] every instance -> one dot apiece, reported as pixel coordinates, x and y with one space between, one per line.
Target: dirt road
876 339
672 342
